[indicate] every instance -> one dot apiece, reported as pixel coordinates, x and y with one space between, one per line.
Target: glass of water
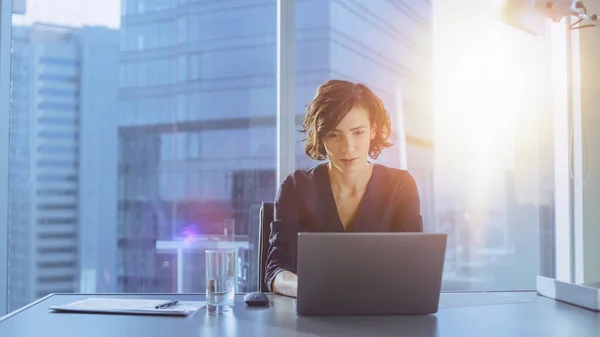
220 272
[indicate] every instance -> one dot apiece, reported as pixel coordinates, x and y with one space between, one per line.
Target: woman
345 124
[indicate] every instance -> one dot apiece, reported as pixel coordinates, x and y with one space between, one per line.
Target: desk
461 314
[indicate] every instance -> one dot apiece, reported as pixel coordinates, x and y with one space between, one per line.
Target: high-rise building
197 128
20 230
52 99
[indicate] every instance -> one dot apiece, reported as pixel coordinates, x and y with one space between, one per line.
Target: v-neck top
305 203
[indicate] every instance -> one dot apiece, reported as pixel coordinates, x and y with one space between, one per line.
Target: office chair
266 217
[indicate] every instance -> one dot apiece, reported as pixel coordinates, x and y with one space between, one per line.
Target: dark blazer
305 203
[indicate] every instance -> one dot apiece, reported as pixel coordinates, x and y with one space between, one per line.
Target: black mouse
256 299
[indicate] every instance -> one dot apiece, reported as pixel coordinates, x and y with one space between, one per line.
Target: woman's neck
349 183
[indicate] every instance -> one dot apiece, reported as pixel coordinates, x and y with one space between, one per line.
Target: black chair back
266 217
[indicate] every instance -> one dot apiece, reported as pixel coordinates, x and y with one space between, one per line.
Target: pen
166 304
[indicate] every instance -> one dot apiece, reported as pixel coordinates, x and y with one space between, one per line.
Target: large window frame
286 70
577 225
570 261
5 44
562 54
585 159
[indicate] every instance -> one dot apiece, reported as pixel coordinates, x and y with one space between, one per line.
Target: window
182 29
185 137
195 64
57 149
53 106
56 78
480 155
140 42
194 145
52 120
58 92
169 174
59 61
182 68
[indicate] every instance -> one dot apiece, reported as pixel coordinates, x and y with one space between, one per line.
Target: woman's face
347 146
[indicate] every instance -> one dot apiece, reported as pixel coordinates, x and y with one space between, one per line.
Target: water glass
220 273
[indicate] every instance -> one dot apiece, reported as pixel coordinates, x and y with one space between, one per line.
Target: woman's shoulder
305 177
393 175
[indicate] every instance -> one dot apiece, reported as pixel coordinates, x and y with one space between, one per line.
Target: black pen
166 304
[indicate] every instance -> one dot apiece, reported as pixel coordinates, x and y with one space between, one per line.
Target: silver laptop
369 273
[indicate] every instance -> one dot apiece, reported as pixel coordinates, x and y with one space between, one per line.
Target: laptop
369 273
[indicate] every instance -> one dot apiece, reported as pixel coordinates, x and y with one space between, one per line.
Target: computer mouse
256 299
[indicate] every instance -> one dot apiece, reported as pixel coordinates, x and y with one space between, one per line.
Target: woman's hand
286 283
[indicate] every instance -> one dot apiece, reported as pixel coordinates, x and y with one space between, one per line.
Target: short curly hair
332 102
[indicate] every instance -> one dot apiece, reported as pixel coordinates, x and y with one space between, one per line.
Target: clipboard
130 306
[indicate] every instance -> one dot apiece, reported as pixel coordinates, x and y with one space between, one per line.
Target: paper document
130 306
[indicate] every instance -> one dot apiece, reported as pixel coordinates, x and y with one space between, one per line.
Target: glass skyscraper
198 100
54 97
